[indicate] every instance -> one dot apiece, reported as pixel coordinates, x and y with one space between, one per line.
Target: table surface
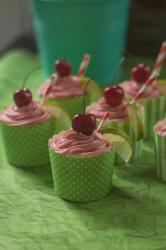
32 217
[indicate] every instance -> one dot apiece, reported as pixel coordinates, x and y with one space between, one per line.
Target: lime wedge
135 121
161 85
93 89
62 118
122 142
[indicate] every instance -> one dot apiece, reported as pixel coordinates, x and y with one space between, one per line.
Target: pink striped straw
150 81
51 81
103 120
160 59
84 65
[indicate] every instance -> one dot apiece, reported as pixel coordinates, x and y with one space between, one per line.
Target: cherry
84 123
22 97
63 68
141 73
114 95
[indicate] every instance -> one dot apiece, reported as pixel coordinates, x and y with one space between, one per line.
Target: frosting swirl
160 127
73 143
99 108
65 87
131 88
32 113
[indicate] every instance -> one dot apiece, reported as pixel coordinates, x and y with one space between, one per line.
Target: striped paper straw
160 59
105 117
84 65
151 79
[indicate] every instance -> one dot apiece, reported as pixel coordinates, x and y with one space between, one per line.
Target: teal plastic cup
96 27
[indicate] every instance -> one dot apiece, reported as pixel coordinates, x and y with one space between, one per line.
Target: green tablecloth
32 217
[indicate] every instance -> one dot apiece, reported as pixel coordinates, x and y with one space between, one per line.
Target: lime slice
122 142
136 121
62 118
161 85
93 89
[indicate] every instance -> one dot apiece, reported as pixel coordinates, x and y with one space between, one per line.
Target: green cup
97 27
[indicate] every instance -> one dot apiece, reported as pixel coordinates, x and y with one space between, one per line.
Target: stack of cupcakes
83 157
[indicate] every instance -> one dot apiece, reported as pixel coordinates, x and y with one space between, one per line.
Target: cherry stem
84 95
28 74
132 57
117 68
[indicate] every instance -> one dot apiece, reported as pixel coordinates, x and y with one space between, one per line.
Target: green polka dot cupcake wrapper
72 105
27 146
160 153
82 178
154 110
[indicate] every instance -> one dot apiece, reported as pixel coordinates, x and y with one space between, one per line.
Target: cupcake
114 103
152 98
66 90
160 148
82 161
26 128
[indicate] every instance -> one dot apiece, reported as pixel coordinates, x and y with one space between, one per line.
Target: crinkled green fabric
32 217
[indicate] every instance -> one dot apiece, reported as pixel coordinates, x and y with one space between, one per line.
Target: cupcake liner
27 146
154 110
82 178
71 105
160 153
137 144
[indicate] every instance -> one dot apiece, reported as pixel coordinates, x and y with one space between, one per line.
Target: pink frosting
61 87
99 108
160 127
131 88
33 113
73 143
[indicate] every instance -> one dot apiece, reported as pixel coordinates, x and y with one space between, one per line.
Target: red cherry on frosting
141 73
84 123
114 95
22 97
63 68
